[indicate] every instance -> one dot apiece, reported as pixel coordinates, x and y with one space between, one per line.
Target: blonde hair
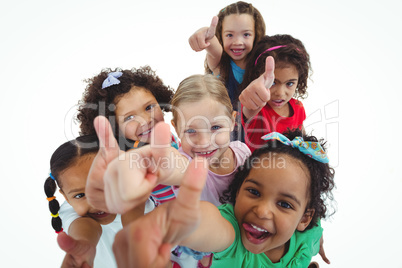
197 87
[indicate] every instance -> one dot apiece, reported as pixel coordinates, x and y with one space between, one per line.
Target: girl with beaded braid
89 230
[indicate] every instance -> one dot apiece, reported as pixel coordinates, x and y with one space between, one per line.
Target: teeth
205 152
100 213
258 229
146 132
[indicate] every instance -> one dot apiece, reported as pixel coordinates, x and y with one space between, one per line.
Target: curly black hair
98 101
321 174
293 53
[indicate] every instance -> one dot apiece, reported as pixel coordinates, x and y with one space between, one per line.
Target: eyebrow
290 80
291 197
253 181
77 190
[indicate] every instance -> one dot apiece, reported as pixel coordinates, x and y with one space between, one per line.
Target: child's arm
256 95
184 221
322 252
205 38
80 243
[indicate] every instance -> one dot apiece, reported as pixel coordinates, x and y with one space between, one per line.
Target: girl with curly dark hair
133 101
276 76
272 211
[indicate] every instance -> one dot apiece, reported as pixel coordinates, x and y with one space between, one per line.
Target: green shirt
302 247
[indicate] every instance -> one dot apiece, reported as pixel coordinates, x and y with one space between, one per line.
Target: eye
273 84
284 204
150 107
189 131
229 35
130 117
247 34
216 127
79 196
254 192
290 84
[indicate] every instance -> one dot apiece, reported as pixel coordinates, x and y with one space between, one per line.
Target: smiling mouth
145 132
206 153
99 214
255 234
237 51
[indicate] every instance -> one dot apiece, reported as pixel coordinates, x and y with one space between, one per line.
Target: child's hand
147 241
108 150
200 39
79 253
130 179
256 95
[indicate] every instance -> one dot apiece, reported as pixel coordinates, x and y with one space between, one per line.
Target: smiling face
73 181
137 112
238 36
271 203
283 89
204 129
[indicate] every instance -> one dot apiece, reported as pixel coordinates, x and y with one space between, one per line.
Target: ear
64 195
233 117
305 220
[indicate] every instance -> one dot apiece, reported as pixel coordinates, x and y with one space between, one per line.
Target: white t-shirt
104 253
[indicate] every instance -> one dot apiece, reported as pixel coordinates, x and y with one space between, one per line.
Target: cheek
221 139
226 44
80 207
158 117
186 144
287 226
129 130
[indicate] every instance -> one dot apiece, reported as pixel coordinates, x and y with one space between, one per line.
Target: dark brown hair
102 101
238 8
293 53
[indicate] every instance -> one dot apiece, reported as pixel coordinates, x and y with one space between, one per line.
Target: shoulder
296 103
67 215
226 210
241 151
175 142
303 246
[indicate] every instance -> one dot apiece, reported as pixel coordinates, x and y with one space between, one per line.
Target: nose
263 210
279 91
238 40
83 209
203 139
144 119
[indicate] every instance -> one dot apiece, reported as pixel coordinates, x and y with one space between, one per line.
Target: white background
48 48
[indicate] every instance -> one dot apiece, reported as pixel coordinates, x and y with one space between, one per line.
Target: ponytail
63 158
50 189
